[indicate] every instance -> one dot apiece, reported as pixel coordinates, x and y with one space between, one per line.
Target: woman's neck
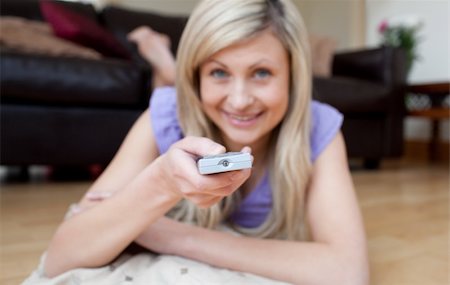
260 153
260 149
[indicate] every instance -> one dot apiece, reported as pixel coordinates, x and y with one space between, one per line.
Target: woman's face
244 90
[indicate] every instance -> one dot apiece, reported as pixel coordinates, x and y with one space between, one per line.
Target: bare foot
155 48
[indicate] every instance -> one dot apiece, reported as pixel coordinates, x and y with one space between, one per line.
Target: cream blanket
148 268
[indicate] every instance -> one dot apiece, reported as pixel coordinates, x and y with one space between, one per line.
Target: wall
165 6
433 49
342 20
319 15
434 45
353 23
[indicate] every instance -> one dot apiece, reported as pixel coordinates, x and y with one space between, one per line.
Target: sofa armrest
385 65
72 81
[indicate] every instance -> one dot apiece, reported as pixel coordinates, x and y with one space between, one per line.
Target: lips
242 120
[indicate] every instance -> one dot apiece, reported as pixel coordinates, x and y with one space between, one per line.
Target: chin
243 138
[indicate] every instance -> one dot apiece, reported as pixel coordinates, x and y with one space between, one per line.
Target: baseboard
419 150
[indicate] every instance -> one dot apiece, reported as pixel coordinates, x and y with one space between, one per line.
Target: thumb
200 146
246 149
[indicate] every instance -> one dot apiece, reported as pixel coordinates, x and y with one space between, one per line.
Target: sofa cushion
322 51
350 95
122 21
22 35
77 28
48 80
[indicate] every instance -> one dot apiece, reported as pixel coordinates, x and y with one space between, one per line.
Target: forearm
294 262
96 236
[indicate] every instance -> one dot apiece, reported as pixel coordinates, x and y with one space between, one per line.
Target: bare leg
155 48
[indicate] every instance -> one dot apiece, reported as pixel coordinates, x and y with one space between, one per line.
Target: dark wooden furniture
436 112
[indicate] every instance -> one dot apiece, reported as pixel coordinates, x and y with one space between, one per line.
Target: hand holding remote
178 173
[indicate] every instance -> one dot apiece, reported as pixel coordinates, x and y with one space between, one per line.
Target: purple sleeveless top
255 207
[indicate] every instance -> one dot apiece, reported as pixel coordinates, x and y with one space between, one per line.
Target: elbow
51 271
354 272
358 276
59 260
51 268
346 275
347 270
55 264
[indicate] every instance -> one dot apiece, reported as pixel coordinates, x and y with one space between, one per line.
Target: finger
224 184
211 183
200 146
208 202
224 191
221 184
98 195
241 176
199 199
74 209
246 149
166 40
139 33
134 34
183 156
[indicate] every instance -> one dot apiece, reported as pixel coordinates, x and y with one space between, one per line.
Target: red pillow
79 29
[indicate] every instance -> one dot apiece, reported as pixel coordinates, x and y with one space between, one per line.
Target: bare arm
337 254
92 231
145 187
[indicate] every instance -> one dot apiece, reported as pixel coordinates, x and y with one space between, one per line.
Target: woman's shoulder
163 95
164 117
326 123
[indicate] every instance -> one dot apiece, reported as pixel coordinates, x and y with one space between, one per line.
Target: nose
239 96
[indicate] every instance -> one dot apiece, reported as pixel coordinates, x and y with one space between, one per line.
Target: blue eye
219 73
262 73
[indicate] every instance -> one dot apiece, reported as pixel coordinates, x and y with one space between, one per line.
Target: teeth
242 118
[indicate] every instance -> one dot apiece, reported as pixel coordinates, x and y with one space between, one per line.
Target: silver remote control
228 161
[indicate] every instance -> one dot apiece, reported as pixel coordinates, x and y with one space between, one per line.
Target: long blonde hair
214 25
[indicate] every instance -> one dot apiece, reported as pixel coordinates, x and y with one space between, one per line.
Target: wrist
160 181
187 240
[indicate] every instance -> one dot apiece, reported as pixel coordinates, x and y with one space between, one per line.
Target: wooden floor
405 207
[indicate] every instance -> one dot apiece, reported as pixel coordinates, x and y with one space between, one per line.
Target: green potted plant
403 32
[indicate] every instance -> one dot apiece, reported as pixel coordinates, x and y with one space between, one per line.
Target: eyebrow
251 66
216 61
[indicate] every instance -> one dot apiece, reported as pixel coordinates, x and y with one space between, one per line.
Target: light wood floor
405 207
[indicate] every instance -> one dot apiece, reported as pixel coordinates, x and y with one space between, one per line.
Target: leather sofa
66 111
368 87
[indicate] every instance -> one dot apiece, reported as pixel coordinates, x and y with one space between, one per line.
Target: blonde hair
217 24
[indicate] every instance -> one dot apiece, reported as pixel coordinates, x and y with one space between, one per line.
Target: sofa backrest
385 65
121 21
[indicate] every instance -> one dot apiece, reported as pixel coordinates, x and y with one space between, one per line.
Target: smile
243 120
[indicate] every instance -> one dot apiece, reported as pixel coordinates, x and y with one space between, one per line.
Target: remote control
224 162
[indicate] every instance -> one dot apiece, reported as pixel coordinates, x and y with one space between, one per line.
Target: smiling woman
244 90
243 84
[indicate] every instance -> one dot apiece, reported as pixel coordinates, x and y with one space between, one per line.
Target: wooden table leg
433 150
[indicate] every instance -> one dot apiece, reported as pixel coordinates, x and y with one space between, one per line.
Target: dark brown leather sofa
72 111
68 111
368 87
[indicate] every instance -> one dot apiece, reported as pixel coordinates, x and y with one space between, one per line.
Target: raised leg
155 48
